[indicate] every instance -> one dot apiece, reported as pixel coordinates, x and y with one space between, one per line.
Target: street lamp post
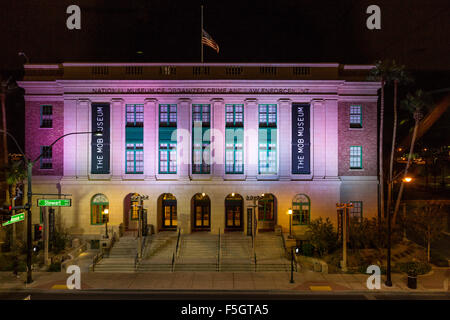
345 207
30 164
290 222
105 217
388 282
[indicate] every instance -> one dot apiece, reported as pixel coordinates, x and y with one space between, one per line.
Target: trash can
412 282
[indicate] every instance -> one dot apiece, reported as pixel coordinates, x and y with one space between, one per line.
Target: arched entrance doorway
234 204
267 210
99 209
201 212
167 207
130 213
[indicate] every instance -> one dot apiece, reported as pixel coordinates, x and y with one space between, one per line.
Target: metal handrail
173 261
136 260
178 241
218 255
96 260
108 250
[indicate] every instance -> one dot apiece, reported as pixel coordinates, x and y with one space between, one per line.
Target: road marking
60 287
320 288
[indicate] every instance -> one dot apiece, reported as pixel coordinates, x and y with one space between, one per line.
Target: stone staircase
158 252
121 257
236 253
198 252
270 253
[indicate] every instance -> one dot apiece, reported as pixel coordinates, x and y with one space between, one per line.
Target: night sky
415 32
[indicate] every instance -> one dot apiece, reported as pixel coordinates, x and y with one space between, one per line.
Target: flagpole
201 34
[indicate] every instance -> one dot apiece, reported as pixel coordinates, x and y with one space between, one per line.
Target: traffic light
37 232
5 213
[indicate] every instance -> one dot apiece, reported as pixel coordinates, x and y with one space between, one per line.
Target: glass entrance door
233 212
169 208
202 216
266 213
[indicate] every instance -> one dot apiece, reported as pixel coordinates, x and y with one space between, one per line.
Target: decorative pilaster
251 139
319 138
150 138
183 138
117 132
70 153
218 139
82 140
331 140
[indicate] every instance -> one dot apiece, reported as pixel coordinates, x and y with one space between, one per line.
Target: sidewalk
278 281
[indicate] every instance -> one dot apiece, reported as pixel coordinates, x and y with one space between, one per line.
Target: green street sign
15 218
54 202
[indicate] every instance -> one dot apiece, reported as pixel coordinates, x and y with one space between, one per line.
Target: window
234 139
46 117
201 138
355 157
267 139
135 158
355 117
134 208
167 138
46 159
301 208
234 115
356 211
99 204
167 115
267 115
135 115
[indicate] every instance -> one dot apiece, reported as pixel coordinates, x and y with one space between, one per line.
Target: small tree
322 236
427 221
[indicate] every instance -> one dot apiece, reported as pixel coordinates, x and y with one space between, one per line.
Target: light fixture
262 194
98 133
106 211
232 194
407 179
290 211
203 194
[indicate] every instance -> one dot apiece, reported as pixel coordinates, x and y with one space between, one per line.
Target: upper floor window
301 207
356 157
46 116
267 115
355 117
234 115
201 113
46 159
167 115
135 115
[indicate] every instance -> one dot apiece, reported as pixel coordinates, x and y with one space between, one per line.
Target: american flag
206 39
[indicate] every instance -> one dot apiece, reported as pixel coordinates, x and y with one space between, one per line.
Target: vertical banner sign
100 144
301 143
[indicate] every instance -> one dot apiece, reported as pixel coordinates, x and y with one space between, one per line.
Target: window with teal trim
355 116
135 158
46 161
135 115
267 139
167 138
167 115
201 138
356 157
234 139
357 210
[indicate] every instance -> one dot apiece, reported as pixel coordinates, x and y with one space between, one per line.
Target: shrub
60 240
414 268
322 236
307 249
55 267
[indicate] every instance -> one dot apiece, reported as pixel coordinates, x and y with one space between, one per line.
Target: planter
412 282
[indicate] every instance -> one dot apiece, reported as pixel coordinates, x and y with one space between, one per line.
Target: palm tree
381 72
397 75
416 104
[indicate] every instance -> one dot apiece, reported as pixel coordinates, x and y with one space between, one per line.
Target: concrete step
195 267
